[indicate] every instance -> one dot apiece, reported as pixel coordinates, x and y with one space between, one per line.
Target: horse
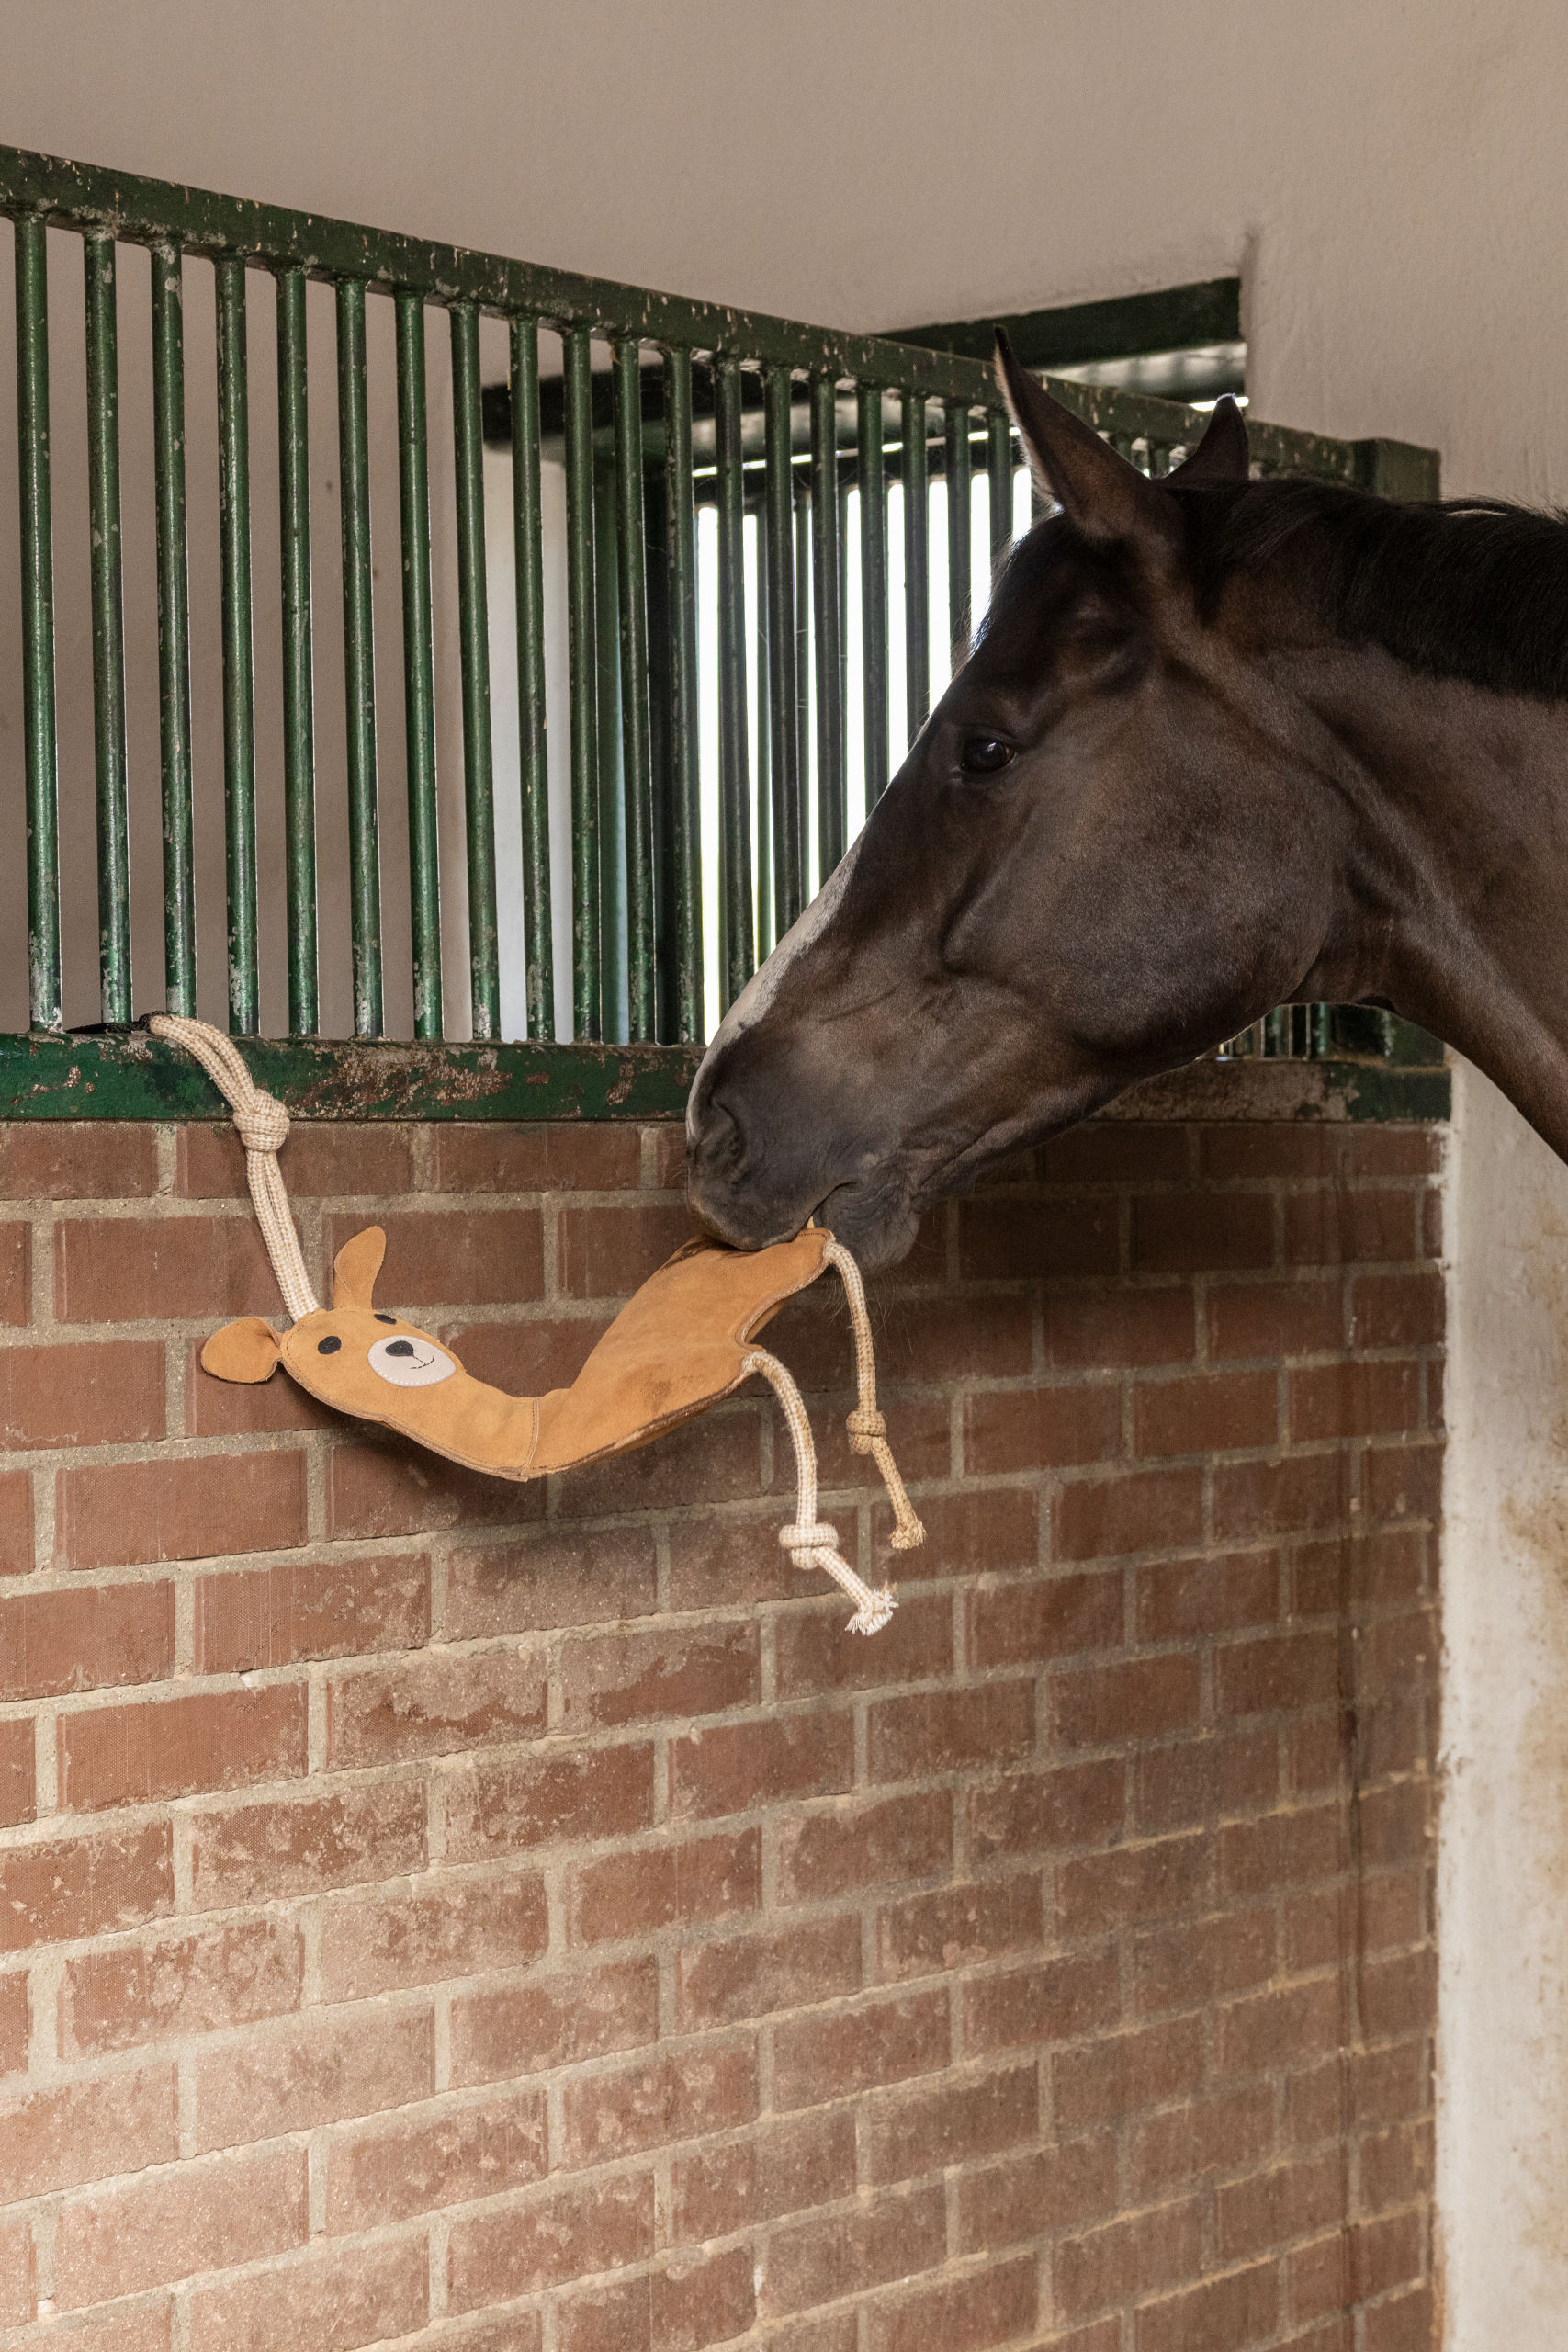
1220 745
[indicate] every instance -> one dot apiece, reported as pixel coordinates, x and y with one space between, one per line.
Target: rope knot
809 1536
262 1122
866 1428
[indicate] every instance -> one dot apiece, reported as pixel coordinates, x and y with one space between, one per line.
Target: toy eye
328 1347
986 755
384 1319
410 1364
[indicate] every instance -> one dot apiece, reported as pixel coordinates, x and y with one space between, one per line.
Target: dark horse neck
1453 899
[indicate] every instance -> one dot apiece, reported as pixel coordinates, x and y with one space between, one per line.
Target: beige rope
811 1542
868 1431
262 1125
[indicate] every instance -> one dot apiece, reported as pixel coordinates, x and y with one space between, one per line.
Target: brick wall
518 1920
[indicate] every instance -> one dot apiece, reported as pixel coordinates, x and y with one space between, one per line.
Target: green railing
755 602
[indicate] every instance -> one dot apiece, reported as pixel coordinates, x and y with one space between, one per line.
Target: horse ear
247 1350
356 1267
1099 492
1222 455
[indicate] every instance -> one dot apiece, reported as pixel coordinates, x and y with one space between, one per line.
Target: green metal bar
584 685
40 755
917 584
473 625
637 769
528 545
685 767
873 587
173 628
738 954
612 835
783 740
999 469
359 659
109 628
298 716
827 617
800 655
762 816
957 467
419 668
239 661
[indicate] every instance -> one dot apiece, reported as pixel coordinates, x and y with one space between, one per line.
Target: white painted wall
1389 177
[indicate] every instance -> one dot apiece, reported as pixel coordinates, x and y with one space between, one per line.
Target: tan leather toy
680 1344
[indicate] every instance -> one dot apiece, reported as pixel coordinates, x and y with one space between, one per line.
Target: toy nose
398 1348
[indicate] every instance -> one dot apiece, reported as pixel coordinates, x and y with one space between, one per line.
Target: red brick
1306 2020
1003 2203
1398 1310
862 1844
1095 1706
993 2305
1206 1414
330 2301
1292 1318
179 1747
1403 1481
732 1562
657 2103
1038 1813
669 1152
729 1768
1052 2000
1119 1151
1236 2311
84 1887
156 1270
298 2076
554 1578
1281 1849
152 2231
1127 1882
1087 1330
954 1926
554 2020
1399 1996
453 1256
1147 1510
1204 1961
693 2303
430 2157
993 1528
1188 1599
610 1252
1009 1240
1355 1400
1404 2324
665 1886
78 1159
178 1984
545 2241
1275 1150
1189 1233
783 1968
783 2167
1271 2209
1030 1429
119 1514
1013 1625
255 1853
17 1748
435 1704
813 1651
920 1430
1301 1493
325 1157
539 1799
490 1157
148 2327
953 1338
1218 2134
1339 1228
1127 2259
816 2261
619 1677
717 1458
16 1523
91 1392
329 1608
85 1640
1286 1670
19 2276
1199 1779
950 1731
380 1486
837 2055
1377 1150
15 1272
449 1929
1123 2072
13 2020
1395 2167
85 2131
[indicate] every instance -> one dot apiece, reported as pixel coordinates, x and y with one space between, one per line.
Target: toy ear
356 1267
249 1350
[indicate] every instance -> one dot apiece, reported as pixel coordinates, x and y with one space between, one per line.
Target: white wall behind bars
1390 180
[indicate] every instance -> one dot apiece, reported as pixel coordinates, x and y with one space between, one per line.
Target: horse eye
985 755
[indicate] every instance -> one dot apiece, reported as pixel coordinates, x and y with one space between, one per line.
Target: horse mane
1469 588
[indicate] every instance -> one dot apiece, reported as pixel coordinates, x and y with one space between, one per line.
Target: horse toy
680 1345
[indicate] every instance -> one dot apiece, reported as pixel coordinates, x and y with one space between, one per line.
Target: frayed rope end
874 1612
